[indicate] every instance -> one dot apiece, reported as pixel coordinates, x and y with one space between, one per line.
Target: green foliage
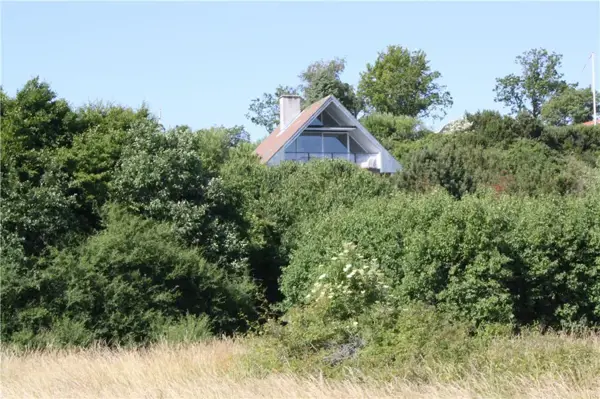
349 287
162 176
33 122
493 126
90 160
496 128
498 152
64 333
123 282
581 140
35 119
264 111
446 167
540 79
214 145
392 131
349 284
401 82
276 200
412 338
115 229
294 193
322 79
483 259
185 330
571 106
39 215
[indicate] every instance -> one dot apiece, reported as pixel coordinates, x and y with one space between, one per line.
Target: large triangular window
324 120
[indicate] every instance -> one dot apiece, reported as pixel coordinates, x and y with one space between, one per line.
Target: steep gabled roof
277 139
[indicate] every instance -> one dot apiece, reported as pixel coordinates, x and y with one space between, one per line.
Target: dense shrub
116 229
162 176
390 129
351 317
92 157
293 192
492 126
496 128
573 139
482 259
463 164
278 199
125 284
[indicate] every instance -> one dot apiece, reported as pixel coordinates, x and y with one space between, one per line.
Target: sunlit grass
539 367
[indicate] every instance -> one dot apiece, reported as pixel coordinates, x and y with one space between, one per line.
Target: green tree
322 78
162 175
123 285
539 80
264 111
571 106
391 130
319 79
34 120
93 156
401 82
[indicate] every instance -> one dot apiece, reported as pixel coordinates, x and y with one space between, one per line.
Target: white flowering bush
349 284
347 290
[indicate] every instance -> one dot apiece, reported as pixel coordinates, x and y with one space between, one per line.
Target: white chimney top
289 108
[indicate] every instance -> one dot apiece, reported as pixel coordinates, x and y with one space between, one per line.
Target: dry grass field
213 370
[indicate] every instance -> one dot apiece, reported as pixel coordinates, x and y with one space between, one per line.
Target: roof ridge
279 137
322 100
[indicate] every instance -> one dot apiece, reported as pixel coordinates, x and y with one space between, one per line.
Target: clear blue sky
202 63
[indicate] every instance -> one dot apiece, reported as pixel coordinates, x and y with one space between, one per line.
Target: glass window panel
317 121
355 148
328 120
291 147
309 142
335 143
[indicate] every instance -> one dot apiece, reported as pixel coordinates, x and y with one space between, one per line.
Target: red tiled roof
591 123
275 141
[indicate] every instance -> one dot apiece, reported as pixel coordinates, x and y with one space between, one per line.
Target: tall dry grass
214 370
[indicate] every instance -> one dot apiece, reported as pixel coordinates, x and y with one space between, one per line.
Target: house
591 123
325 129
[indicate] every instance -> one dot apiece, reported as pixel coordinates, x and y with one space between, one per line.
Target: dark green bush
462 165
573 139
391 130
278 199
492 126
483 259
162 176
122 284
195 227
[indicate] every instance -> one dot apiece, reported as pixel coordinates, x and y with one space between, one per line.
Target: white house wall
388 163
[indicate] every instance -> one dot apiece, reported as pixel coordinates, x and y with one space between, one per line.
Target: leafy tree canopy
540 79
319 79
571 106
322 78
264 111
401 82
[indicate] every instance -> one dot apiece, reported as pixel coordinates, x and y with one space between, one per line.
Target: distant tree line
402 83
